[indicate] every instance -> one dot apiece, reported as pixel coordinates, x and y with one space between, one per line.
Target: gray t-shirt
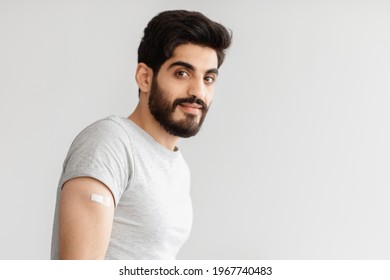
150 185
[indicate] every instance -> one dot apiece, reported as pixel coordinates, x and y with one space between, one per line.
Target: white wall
292 162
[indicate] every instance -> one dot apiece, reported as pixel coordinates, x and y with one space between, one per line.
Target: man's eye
209 79
182 74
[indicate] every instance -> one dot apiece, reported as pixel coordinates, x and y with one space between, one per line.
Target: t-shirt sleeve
101 151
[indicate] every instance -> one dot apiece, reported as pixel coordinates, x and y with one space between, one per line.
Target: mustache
190 100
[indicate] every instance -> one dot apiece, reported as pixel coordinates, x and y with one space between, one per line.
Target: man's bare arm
85 223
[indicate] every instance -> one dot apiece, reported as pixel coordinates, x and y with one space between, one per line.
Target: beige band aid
101 199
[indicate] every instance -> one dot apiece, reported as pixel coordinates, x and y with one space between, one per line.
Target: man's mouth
191 108
190 105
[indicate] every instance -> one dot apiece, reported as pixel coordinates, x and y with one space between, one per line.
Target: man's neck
145 120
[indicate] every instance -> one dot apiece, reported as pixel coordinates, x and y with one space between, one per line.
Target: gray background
292 162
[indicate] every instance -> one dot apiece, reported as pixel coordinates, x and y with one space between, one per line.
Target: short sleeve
101 151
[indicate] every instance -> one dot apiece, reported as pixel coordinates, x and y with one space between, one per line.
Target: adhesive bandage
101 199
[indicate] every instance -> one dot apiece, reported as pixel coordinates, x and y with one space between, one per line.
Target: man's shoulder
109 126
112 122
111 129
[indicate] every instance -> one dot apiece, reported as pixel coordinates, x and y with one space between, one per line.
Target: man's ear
144 77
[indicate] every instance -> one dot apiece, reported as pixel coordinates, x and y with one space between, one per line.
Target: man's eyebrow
213 71
182 63
191 67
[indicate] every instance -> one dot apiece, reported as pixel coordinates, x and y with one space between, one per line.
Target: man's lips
191 108
192 105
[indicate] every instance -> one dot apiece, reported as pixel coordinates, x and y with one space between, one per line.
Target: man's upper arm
85 223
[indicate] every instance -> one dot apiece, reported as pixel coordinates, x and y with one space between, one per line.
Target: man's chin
183 129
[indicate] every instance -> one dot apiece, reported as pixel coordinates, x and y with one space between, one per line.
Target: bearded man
124 187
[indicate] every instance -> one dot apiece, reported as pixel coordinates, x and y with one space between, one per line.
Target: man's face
183 89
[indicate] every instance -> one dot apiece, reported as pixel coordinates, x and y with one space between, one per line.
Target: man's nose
198 89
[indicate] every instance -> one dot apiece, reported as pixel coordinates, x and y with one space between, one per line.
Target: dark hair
169 29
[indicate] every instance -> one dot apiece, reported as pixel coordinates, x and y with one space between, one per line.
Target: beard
163 110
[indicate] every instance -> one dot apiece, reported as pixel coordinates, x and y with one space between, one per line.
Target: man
124 189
